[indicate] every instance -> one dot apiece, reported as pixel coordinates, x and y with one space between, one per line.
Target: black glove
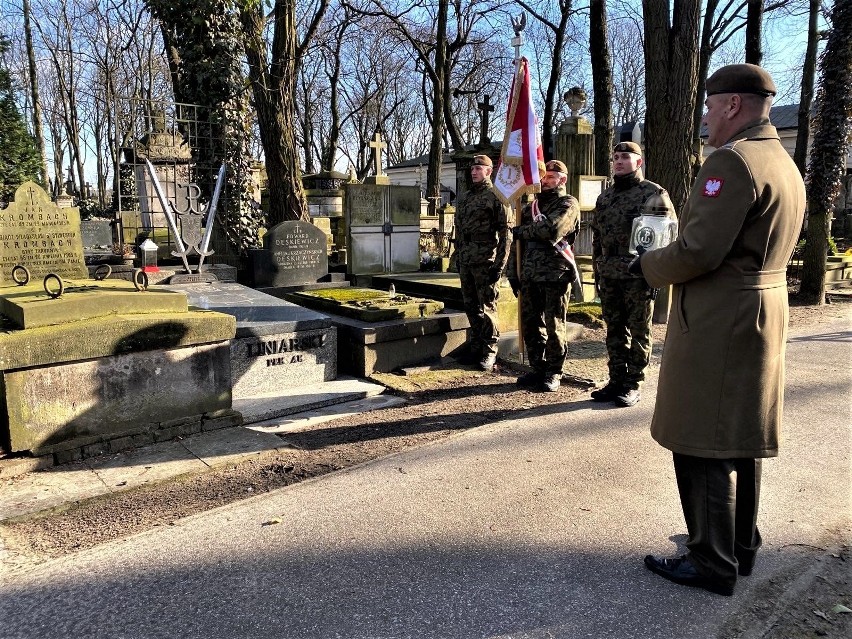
516 286
494 273
515 231
635 267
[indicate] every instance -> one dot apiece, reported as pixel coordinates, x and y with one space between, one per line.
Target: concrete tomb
277 345
104 367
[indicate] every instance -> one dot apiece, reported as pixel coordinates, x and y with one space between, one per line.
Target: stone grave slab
30 306
39 235
278 345
293 253
368 305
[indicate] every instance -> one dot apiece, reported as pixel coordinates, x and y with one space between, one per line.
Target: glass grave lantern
149 256
654 228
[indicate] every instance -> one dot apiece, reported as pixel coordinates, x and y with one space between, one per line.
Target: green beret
627 147
482 160
556 165
741 78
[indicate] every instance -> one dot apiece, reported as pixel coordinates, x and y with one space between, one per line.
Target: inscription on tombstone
296 253
365 204
39 235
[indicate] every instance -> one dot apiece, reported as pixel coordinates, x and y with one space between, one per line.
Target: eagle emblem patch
713 186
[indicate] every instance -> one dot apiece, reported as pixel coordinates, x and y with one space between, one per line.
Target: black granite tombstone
294 253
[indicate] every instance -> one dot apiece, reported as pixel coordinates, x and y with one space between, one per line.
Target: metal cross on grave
485 107
377 145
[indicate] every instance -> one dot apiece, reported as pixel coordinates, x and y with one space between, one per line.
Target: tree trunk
273 88
807 94
754 27
602 84
671 74
705 52
436 146
828 154
38 120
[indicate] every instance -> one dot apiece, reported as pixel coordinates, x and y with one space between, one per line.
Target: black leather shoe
607 393
681 571
628 397
550 383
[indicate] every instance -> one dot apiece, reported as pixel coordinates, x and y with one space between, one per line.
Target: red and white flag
522 157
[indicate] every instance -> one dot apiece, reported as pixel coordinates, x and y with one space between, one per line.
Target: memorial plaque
296 253
591 186
365 204
404 205
39 235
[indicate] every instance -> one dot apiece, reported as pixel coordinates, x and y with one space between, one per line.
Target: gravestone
40 236
383 223
294 253
96 234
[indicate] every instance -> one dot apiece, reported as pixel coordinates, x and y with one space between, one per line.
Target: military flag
522 157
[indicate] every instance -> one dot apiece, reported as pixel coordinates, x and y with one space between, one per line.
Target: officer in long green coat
721 387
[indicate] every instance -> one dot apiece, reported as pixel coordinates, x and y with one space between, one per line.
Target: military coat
541 262
721 386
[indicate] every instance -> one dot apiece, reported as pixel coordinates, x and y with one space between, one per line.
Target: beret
741 78
627 147
556 165
482 160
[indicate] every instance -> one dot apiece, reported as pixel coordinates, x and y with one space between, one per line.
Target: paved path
529 528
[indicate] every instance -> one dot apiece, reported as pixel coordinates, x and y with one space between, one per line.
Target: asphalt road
527 528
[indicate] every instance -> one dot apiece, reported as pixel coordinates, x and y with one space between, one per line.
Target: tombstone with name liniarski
40 236
294 253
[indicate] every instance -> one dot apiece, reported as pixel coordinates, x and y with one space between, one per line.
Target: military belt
609 253
477 237
537 244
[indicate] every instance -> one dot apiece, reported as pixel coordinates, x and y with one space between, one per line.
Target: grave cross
377 145
485 107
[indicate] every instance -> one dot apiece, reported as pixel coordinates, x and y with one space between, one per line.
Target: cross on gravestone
485 107
377 145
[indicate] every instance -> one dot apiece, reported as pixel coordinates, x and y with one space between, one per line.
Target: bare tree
671 75
807 92
38 118
603 85
558 25
273 71
832 127
754 31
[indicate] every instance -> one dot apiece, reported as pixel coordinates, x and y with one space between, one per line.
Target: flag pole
518 24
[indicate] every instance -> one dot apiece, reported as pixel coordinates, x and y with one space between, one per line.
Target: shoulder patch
713 186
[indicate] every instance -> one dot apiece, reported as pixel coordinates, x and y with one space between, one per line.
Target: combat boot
530 380
551 382
487 362
607 393
628 397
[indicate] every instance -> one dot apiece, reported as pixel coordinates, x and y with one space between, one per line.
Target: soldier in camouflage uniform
545 277
626 299
482 246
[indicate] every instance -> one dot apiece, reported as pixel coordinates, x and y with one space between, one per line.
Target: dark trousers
720 500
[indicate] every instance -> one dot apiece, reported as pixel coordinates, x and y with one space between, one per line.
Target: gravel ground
441 401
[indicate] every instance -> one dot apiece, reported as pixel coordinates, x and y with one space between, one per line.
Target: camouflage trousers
627 310
544 308
480 306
